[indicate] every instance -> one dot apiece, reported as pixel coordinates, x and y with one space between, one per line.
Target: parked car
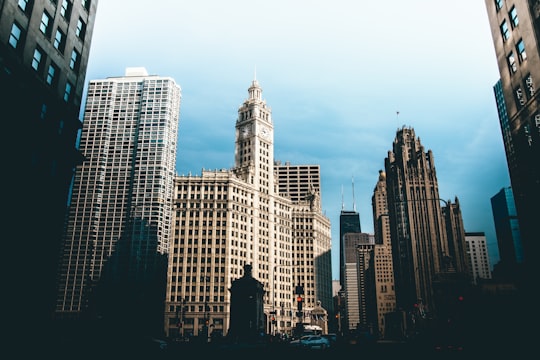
331 337
311 342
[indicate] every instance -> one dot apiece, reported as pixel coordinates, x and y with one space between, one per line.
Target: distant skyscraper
515 29
302 184
260 213
384 268
359 275
508 233
478 257
120 217
455 234
418 230
349 222
44 49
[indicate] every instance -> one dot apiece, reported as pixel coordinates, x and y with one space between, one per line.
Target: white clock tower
254 153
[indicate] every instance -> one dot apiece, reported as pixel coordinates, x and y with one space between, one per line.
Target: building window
512 62
25 6
75 60
45 24
60 40
65 9
499 4
529 85
513 17
67 91
15 38
86 4
52 75
36 60
520 47
81 29
505 32
43 113
520 99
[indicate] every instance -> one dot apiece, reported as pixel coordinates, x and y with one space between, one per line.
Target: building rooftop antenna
342 203
354 202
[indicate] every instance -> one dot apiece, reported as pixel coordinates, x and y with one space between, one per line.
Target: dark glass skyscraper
508 233
349 222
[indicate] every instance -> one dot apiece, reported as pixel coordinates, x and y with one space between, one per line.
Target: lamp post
273 313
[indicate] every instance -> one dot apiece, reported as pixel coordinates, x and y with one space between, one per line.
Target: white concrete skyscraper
121 203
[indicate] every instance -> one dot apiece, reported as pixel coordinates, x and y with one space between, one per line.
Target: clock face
245 131
265 132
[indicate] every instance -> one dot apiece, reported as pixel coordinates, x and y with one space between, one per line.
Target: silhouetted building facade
420 248
515 29
44 49
508 235
247 308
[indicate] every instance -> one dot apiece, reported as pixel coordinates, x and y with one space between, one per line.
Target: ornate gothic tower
417 226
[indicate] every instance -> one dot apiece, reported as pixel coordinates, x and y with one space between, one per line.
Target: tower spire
354 202
342 203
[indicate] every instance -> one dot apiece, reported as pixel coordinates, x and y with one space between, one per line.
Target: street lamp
273 314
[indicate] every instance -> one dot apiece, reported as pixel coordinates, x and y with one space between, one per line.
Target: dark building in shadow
44 50
247 314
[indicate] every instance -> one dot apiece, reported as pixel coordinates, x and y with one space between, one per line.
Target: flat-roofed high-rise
120 216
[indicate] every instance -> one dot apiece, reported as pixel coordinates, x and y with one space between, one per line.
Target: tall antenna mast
342 203
354 202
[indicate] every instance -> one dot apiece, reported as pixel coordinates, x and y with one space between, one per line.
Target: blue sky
335 74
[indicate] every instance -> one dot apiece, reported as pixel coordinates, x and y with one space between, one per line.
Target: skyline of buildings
292 235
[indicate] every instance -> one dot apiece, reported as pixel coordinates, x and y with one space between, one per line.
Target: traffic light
299 302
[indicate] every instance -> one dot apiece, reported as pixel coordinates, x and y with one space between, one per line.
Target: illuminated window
59 40
81 29
36 60
520 47
86 4
52 74
65 9
505 32
513 17
75 60
511 59
16 36
25 6
45 24
67 91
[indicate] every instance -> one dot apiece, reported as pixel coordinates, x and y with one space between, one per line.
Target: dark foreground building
44 48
